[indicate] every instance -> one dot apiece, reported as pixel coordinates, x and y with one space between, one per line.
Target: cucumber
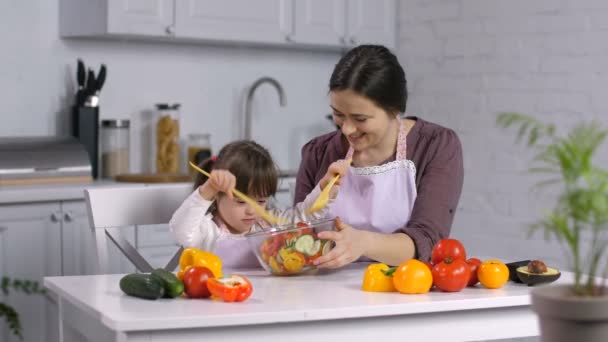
173 286
327 246
316 247
304 243
142 286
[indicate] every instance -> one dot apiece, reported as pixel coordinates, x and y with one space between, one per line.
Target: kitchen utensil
323 198
91 99
100 80
291 249
263 213
80 77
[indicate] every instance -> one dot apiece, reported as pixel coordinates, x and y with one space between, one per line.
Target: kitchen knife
101 78
90 89
80 78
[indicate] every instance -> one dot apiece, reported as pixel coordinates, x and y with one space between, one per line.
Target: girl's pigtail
206 165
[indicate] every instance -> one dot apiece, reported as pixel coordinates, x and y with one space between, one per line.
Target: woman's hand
339 167
220 181
350 246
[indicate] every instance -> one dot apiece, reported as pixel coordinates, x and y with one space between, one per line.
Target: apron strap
401 144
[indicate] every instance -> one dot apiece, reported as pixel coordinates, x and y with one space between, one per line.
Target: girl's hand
220 181
350 246
339 167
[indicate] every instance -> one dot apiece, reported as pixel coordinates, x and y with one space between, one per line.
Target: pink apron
378 198
234 251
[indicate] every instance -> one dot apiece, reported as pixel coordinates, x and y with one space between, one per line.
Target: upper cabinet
372 22
259 21
318 22
136 18
322 23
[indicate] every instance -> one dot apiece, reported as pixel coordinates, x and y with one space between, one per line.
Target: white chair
113 208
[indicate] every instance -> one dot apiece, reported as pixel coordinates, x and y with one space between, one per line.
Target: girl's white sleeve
192 226
299 211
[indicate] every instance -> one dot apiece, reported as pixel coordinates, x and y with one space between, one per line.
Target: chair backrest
116 207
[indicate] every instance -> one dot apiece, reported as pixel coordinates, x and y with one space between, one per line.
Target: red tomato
448 249
473 265
306 229
195 282
451 275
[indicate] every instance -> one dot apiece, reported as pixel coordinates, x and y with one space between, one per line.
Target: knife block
85 127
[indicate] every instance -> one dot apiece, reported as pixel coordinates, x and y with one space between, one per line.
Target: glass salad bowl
291 249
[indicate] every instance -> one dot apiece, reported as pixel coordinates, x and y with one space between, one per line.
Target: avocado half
512 266
531 279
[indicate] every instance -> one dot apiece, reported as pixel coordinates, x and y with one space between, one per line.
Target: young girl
212 219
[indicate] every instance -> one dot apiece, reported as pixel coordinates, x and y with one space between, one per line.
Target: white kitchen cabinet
371 22
41 239
333 24
31 249
260 21
144 18
318 22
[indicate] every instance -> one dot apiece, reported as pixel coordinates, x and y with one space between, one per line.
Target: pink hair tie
213 157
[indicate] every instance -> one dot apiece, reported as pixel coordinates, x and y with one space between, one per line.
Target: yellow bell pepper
378 278
195 257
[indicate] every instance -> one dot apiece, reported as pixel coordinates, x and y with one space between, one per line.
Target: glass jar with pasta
167 138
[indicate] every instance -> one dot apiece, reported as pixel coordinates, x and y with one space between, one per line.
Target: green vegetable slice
305 244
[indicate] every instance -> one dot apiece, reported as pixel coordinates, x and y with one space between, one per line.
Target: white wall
37 77
467 60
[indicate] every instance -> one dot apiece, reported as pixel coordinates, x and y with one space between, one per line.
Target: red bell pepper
234 288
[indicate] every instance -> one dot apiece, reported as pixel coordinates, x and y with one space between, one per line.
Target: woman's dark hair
374 72
251 164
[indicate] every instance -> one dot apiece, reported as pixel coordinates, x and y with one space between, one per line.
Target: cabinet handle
289 38
68 217
170 30
55 217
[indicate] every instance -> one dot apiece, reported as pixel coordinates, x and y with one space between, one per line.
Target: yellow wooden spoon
258 209
323 198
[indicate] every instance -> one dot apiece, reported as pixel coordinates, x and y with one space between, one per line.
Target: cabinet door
140 17
79 255
319 22
78 243
30 248
260 21
372 22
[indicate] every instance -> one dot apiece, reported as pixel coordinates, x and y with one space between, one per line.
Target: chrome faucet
255 85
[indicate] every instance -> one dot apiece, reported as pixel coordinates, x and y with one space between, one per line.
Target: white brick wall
467 60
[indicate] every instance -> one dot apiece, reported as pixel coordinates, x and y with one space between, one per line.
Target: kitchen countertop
51 192
12 194
334 295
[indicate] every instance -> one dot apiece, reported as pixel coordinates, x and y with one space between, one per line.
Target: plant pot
566 317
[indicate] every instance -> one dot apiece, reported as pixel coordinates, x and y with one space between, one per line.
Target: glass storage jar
199 149
114 147
167 138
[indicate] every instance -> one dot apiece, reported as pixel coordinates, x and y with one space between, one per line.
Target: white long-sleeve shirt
193 226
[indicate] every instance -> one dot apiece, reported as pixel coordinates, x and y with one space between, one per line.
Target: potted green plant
579 220
10 315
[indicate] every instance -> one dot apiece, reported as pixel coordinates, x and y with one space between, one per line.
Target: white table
303 308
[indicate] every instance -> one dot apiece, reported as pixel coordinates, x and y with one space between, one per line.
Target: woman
400 194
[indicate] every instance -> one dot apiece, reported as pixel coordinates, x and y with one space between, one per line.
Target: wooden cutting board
153 177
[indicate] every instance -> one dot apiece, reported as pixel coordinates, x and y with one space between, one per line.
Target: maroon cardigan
437 153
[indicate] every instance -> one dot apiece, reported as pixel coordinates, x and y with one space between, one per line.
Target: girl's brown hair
251 164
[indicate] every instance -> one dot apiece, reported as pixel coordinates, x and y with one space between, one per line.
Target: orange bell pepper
196 257
234 288
378 278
